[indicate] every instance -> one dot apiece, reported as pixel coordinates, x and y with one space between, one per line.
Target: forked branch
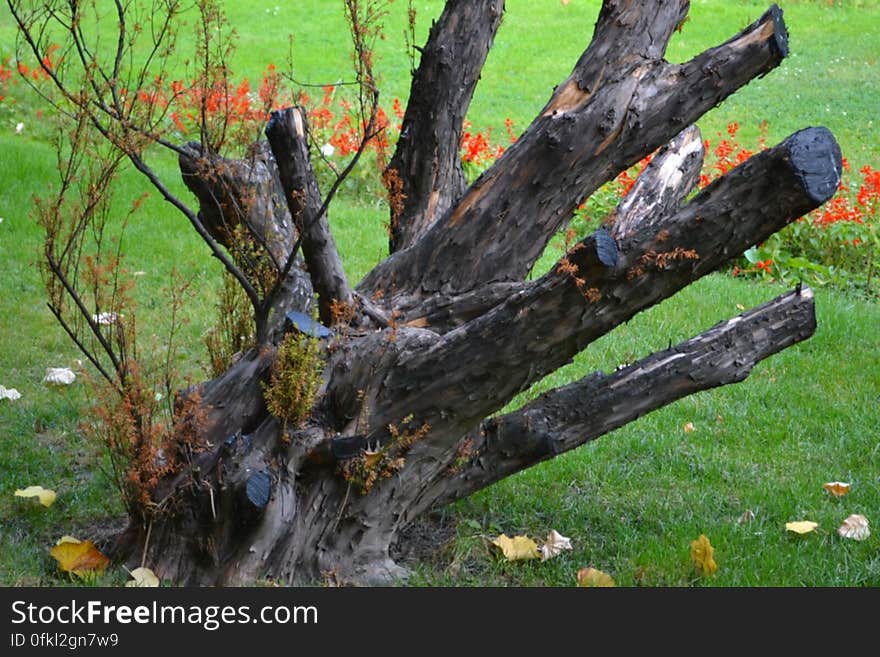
586 136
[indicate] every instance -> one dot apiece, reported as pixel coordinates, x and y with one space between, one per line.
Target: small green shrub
295 379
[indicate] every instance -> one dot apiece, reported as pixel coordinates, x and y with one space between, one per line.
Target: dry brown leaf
554 545
81 558
855 527
593 578
143 578
517 548
747 516
801 526
703 555
46 496
836 488
689 427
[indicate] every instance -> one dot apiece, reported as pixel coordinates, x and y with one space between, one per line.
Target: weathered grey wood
233 193
247 194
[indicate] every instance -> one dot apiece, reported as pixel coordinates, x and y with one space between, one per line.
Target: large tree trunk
454 331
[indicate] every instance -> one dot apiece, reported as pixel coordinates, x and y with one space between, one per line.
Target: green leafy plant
295 379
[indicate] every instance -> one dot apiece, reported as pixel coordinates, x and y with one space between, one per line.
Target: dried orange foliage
566 267
660 261
394 187
341 312
142 447
383 461
836 488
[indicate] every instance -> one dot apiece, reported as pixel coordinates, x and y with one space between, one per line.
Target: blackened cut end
780 32
275 119
259 489
606 248
817 162
305 324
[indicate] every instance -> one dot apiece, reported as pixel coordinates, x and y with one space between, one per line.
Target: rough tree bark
406 399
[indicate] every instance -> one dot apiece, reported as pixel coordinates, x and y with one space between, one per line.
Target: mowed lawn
632 501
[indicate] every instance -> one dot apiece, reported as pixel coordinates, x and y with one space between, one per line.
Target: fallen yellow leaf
689 427
143 577
836 488
517 548
46 496
82 558
801 526
703 555
67 539
593 578
855 527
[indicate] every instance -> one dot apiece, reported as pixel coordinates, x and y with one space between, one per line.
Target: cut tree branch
288 136
567 417
234 193
247 194
426 166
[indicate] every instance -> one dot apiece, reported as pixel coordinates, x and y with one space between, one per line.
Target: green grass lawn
633 500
